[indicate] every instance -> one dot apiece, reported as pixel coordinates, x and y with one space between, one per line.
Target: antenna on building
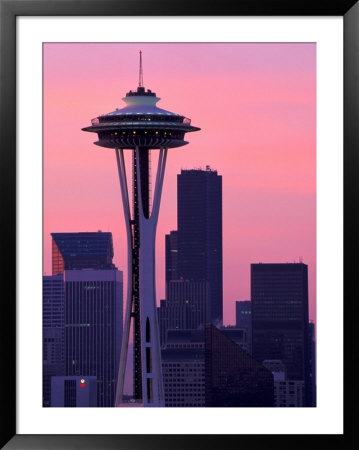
300 259
140 77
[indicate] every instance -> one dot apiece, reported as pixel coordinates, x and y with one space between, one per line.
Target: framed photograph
276 118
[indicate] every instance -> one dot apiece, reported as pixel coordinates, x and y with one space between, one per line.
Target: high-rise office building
53 332
279 295
186 308
199 215
81 251
93 328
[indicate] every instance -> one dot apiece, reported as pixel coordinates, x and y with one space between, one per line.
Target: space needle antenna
140 77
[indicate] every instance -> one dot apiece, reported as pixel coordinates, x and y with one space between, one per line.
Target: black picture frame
9 10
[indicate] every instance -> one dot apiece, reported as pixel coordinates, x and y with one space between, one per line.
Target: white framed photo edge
327 33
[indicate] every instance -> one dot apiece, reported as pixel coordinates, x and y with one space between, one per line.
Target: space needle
141 127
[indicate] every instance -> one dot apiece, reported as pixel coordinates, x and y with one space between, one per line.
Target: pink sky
256 107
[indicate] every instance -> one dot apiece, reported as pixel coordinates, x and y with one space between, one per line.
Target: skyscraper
81 251
93 328
280 316
199 215
53 303
141 127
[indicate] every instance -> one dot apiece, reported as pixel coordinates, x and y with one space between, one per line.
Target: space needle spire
141 127
140 77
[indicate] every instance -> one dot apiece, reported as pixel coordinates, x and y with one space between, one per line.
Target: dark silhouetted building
199 215
280 316
186 308
52 332
93 328
81 251
244 319
232 377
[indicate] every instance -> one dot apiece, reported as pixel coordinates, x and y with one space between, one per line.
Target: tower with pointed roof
141 127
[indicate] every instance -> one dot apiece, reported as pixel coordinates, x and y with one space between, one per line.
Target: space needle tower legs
145 311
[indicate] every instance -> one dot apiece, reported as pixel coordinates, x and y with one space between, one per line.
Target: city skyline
268 194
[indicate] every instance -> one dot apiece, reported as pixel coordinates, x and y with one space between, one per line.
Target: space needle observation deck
141 124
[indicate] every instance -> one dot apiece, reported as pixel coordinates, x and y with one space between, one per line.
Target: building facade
188 306
183 368
93 328
53 332
279 295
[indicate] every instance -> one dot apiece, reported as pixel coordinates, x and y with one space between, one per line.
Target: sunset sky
256 107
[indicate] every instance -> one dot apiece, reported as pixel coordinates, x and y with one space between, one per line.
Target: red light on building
82 382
